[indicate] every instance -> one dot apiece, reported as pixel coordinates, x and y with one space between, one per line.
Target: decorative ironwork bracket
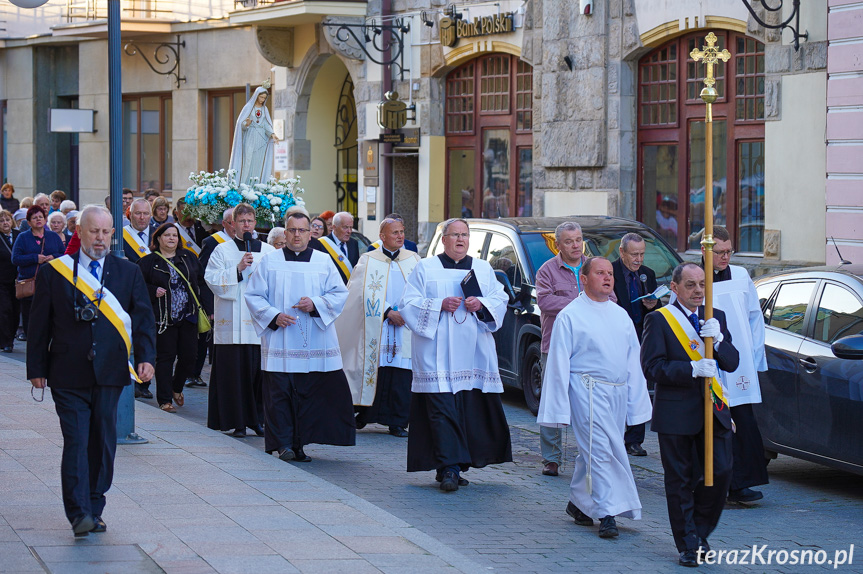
391 49
795 15
165 54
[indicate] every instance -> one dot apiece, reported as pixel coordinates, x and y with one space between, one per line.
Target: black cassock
467 428
307 408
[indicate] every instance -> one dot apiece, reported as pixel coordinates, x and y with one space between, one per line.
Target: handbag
203 319
27 287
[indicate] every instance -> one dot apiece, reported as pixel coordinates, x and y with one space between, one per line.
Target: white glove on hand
710 328
704 368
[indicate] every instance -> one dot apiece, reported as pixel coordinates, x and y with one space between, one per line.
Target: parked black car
812 392
516 248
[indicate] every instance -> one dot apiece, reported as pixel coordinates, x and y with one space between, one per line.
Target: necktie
694 320
343 246
142 236
94 269
635 308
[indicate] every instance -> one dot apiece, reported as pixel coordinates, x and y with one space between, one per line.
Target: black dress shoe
635 449
551 469
449 483
259 429
688 558
608 527
703 546
286 454
744 496
398 431
300 456
360 425
7 349
100 525
83 525
142 392
580 518
239 433
21 337
461 480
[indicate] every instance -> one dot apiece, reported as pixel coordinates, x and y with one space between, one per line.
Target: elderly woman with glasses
276 238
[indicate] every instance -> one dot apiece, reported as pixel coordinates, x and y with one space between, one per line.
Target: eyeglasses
458 235
728 253
317 226
244 221
295 230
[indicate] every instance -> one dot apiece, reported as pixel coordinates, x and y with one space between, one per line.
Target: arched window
489 123
671 142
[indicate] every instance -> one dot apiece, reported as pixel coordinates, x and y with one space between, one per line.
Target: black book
470 286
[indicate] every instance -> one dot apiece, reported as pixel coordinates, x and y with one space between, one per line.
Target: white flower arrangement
213 193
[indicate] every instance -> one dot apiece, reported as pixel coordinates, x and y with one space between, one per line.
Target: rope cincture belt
589 383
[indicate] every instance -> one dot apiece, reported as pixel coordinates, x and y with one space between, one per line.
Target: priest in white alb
295 296
593 381
457 420
375 343
235 379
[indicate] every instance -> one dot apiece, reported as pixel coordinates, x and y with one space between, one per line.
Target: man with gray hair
632 280
136 235
339 244
557 285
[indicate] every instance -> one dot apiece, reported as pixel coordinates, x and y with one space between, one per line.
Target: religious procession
410 287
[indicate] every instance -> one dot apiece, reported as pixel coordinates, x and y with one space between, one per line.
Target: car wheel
531 376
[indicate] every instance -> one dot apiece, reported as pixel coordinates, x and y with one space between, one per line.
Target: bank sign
452 29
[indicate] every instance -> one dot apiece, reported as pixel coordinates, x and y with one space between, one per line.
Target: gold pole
708 95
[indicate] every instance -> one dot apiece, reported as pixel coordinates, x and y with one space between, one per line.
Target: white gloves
710 328
704 368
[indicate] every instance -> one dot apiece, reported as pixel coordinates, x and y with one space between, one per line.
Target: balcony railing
98 9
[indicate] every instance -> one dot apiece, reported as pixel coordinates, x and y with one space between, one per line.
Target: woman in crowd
160 212
276 237
10 310
327 216
8 202
57 224
171 274
21 214
34 248
319 227
67 206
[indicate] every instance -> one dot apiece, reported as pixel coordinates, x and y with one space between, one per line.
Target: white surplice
593 380
452 352
310 345
739 299
232 323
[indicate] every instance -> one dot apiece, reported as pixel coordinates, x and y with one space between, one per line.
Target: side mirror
507 286
850 347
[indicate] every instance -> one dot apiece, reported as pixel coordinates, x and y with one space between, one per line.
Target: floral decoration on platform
213 193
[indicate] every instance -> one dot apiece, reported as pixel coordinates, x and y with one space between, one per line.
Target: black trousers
205 343
88 420
10 310
179 342
25 312
634 434
750 466
694 509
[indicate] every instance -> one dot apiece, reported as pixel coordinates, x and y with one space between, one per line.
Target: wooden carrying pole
710 55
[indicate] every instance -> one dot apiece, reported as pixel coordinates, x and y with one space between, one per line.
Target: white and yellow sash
374 292
220 237
104 300
340 259
376 244
692 343
131 237
188 242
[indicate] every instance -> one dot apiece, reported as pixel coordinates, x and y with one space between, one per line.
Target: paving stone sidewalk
190 501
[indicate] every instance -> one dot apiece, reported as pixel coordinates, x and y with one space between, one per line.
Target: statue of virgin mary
254 139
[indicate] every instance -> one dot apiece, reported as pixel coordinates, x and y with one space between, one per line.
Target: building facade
515 108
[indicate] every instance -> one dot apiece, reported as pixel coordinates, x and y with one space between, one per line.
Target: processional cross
711 56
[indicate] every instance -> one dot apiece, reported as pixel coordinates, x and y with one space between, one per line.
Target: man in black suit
192 227
137 234
672 363
84 357
632 279
10 310
344 249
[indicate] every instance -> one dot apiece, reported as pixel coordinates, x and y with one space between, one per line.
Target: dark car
516 248
812 392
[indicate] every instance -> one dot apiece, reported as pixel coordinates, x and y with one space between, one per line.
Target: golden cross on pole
711 56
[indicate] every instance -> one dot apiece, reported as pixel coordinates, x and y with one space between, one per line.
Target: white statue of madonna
254 140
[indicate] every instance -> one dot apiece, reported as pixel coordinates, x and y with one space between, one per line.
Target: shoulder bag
203 320
27 287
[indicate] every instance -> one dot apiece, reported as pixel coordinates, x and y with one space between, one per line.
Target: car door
831 401
502 256
785 315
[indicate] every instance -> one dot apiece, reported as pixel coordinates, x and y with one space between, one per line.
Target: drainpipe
384 158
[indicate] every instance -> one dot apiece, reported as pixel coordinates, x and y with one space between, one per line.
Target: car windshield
540 248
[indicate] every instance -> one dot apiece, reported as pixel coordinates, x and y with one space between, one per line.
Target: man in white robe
594 382
294 296
457 420
235 401
375 343
734 292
